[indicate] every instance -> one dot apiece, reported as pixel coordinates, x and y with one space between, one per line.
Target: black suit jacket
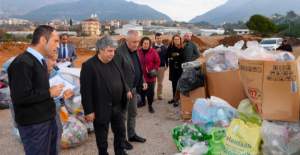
95 93
29 87
124 61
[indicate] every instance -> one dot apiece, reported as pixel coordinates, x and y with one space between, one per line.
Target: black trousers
118 128
174 86
149 93
40 139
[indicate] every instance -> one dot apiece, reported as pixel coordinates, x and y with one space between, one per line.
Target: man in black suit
129 62
104 95
66 51
32 98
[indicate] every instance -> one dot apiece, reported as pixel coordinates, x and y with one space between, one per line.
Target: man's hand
68 59
145 86
90 117
68 94
56 90
129 95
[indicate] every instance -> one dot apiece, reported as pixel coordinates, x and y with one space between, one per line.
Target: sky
182 10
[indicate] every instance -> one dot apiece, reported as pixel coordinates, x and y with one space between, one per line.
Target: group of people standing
110 83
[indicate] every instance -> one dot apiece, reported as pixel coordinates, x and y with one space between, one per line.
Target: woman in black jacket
175 56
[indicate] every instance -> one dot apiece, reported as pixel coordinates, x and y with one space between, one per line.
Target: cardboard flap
252 73
226 85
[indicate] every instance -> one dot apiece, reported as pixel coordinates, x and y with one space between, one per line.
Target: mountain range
241 10
82 9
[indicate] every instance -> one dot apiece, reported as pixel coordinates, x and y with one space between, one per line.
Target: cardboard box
273 87
227 86
187 102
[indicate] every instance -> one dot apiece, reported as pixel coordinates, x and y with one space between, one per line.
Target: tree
291 15
7 37
261 24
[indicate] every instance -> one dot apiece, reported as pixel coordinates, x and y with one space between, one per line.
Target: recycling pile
220 127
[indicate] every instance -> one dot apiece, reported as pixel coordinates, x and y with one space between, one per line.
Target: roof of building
91 20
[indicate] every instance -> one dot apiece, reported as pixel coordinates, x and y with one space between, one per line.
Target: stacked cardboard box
273 87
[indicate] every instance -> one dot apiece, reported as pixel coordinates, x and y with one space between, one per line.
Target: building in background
125 28
241 31
91 26
14 21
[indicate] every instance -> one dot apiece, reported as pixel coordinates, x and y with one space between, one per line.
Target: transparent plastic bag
197 149
281 138
74 133
285 56
223 58
187 135
214 112
246 112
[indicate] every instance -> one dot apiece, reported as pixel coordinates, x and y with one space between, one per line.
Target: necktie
44 63
64 51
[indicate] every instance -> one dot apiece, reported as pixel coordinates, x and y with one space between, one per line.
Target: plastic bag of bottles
188 135
216 143
281 138
74 133
285 56
246 112
5 99
197 149
223 58
214 112
74 107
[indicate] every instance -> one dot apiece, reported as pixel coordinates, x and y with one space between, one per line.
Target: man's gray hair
132 33
105 42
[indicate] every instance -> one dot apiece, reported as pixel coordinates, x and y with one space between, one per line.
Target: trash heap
249 105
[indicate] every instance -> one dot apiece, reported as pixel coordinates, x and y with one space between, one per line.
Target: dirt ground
155 127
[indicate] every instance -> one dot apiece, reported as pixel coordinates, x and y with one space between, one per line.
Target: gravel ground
155 127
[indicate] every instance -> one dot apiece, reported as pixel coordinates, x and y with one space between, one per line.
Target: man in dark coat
285 46
131 67
32 98
104 96
190 51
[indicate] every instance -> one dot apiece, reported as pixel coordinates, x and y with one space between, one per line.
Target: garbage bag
214 112
216 143
190 79
191 64
197 149
187 135
285 56
242 138
5 98
281 138
75 108
223 58
74 133
247 113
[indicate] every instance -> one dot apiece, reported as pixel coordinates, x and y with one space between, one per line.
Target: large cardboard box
273 87
226 85
187 102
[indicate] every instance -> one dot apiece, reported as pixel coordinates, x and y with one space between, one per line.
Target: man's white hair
132 33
